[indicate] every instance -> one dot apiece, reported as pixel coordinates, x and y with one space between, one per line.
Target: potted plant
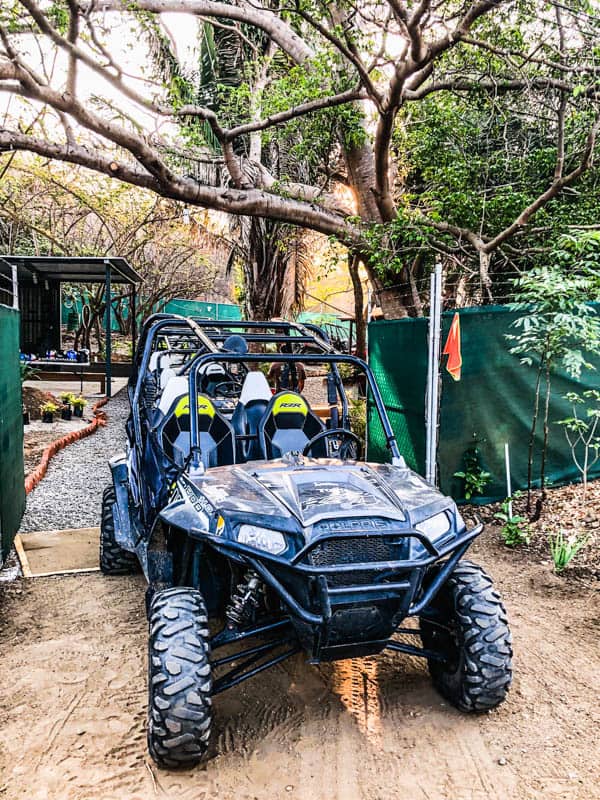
26 418
78 403
67 400
48 410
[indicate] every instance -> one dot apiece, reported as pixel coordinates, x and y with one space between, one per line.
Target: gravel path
69 496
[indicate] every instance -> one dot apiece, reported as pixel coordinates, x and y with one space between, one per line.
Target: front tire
114 560
473 635
179 678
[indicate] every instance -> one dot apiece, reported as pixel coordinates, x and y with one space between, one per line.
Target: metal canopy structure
73 269
43 270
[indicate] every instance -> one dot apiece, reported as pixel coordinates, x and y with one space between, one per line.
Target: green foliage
474 476
582 430
476 159
347 371
358 417
580 253
28 372
48 407
557 325
58 14
515 530
563 549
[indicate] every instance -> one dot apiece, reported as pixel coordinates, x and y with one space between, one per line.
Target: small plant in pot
48 410
78 403
67 401
26 417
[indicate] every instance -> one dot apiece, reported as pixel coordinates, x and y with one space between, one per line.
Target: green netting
196 308
491 404
71 312
12 488
396 358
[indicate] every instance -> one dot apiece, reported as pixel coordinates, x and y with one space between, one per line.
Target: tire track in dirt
72 715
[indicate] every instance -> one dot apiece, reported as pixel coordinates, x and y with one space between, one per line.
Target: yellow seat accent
289 403
204 407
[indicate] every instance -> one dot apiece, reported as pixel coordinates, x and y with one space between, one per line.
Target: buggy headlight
262 539
434 527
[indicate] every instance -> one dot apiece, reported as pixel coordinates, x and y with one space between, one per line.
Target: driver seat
289 424
217 441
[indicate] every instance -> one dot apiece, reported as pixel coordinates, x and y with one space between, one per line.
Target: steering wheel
230 388
338 433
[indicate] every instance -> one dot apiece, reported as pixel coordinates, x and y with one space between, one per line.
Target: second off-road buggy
263 533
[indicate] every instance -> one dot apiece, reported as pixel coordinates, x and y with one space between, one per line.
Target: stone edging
34 477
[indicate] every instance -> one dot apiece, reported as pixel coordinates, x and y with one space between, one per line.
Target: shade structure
37 279
71 268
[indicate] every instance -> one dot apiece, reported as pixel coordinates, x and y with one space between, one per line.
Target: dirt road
72 700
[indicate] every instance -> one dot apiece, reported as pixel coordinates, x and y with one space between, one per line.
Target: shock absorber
244 600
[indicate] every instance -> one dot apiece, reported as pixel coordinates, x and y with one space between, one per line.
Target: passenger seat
254 399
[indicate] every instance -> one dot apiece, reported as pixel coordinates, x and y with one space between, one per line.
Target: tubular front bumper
309 591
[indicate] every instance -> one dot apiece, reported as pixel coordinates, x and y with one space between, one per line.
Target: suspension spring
244 600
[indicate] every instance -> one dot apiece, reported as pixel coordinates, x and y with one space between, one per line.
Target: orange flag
452 349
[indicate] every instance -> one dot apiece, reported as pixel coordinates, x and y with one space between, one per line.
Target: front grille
354 550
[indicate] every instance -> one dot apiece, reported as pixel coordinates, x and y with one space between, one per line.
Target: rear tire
114 560
179 678
475 640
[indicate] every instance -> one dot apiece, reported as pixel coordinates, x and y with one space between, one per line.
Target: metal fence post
432 394
108 349
15 287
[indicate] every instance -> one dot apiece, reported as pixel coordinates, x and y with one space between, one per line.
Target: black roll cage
209 332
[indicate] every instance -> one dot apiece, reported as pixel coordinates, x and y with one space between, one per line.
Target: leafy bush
28 372
474 476
48 407
515 530
582 432
358 417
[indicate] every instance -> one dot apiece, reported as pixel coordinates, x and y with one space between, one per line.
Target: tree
345 76
557 326
55 210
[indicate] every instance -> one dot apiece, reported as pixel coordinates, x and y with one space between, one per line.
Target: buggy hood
312 490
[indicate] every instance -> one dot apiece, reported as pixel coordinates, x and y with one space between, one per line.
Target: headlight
434 527
262 539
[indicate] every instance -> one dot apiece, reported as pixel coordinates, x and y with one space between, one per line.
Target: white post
508 481
432 397
15 287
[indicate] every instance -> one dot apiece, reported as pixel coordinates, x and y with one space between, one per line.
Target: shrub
515 530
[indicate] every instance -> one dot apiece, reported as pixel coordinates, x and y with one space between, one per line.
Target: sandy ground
72 699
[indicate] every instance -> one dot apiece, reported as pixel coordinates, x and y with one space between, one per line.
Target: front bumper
329 610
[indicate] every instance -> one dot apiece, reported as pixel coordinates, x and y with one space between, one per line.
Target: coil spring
244 600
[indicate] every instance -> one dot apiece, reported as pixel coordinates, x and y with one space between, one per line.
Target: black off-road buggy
262 532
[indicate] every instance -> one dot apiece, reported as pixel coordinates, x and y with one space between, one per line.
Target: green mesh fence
399 363
71 311
490 405
12 489
197 308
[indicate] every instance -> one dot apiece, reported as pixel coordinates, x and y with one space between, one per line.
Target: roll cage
198 343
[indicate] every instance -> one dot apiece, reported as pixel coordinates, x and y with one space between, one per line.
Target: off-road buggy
262 532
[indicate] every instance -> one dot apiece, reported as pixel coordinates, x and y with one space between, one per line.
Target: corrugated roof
70 268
